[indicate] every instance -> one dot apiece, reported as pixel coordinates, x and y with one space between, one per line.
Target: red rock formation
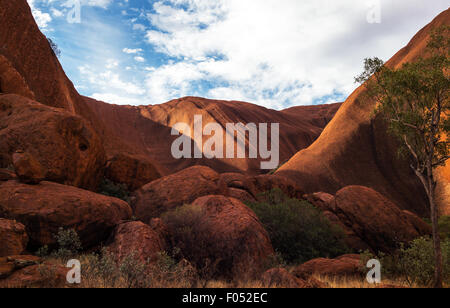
46 207
27 168
375 219
189 184
174 190
64 144
347 265
355 149
146 130
6 175
28 67
13 238
138 240
369 220
134 171
30 272
236 237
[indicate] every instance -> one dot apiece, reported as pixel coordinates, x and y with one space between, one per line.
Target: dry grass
361 283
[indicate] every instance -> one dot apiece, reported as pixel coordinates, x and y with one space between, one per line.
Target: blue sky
275 53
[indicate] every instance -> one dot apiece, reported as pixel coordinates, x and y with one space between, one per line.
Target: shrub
54 47
101 268
193 243
190 239
414 263
69 244
111 189
134 272
298 231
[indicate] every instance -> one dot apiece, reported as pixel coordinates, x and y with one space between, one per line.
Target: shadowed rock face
64 144
355 149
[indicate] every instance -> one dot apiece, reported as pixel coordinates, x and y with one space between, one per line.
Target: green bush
69 244
414 263
111 189
298 231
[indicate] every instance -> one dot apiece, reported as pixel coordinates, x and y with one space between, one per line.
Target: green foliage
54 47
69 244
42 252
414 263
111 189
414 99
298 231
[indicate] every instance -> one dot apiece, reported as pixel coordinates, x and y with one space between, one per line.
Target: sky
275 53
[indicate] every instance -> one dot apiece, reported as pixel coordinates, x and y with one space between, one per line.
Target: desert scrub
298 231
413 263
104 271
191 241
111 189
69 245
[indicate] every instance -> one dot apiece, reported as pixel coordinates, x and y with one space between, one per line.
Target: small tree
415 102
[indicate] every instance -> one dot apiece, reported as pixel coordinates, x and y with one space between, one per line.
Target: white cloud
56 13
139 27
99 3
275 53
110 83
113 98
171 81
139 59
42 19
132 51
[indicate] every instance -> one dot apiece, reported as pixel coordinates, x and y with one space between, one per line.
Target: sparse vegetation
111 189
191 242
54 47
413 264
69 243
298 231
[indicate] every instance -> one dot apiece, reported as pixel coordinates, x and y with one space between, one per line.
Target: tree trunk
436 236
